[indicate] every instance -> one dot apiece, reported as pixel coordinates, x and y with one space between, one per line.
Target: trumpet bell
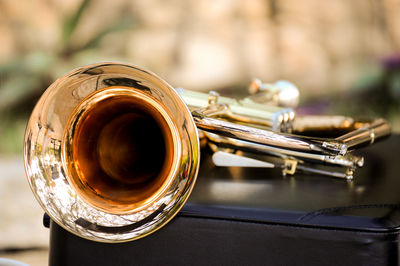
111 152
121 150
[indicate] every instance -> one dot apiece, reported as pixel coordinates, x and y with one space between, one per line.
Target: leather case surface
239 216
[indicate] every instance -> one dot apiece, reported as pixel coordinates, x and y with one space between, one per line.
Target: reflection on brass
112 151
121 153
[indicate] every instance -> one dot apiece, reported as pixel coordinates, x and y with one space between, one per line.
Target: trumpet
112 151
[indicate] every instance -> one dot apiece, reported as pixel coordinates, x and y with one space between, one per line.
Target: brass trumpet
112 151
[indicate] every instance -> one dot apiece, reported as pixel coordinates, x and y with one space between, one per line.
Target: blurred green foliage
376 94
24 79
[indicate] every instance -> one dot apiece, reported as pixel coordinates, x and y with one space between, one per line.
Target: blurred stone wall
320 45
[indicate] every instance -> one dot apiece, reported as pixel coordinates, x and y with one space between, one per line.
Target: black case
238 216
